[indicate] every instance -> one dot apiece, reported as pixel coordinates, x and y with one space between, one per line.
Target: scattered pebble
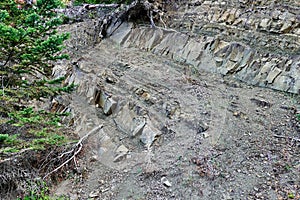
166 182
94 194
94 158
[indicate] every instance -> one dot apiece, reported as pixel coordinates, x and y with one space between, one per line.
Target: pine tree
29 46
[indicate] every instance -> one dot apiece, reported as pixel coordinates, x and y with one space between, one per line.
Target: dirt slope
173 132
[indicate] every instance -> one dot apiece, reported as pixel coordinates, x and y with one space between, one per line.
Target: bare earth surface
205 136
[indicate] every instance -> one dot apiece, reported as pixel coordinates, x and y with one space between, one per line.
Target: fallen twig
77 145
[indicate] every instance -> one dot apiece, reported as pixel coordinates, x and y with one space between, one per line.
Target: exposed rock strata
256 42
216 55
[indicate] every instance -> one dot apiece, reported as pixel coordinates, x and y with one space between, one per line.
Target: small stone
110 80
265 23
121 152
122 149
236 114
104 190
165 181
202 127
94 158
273 74
205 135
146 96
94 194
261 102
287 26
120 157
109 106
128 156
224 17
261 155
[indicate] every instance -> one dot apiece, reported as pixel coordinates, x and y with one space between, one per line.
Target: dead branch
15 155
77 146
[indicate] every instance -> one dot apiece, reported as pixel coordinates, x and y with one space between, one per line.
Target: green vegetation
29 47
291 196
40 193
38 129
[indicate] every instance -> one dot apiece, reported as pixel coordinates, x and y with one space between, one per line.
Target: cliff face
258 41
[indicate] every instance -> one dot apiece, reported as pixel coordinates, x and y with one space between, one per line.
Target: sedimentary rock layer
216 55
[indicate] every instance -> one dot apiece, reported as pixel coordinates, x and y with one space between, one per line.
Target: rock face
268 26
257 42
215 55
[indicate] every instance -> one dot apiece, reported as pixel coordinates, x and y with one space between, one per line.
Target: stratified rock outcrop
257 42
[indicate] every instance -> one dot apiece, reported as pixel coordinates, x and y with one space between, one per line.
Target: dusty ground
218 138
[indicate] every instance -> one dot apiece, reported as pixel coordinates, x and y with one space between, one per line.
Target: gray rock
216 55
102 99
286 27
120 157
125 120
94 194
94 158
122 149
265 23
231 66
120 34
165 182
138 128
110 106
149 134
282 82
273 74
219 61
202 127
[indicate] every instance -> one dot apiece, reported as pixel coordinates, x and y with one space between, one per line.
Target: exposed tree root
29 169
73 152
